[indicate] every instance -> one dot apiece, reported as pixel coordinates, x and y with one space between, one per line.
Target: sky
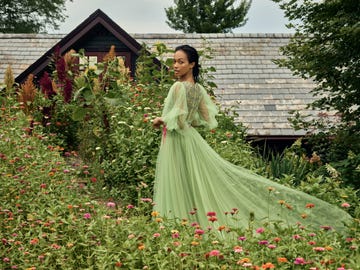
148 16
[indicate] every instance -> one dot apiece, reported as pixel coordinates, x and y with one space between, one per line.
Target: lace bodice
188 104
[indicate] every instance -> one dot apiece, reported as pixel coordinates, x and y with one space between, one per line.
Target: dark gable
95 35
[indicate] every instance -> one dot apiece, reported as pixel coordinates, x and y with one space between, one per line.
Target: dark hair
192 56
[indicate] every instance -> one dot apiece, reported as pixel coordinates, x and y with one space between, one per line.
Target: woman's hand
157 122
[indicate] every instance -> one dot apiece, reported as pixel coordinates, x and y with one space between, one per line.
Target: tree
326 49
31 16
207 16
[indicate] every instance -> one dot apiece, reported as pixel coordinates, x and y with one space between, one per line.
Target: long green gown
193 182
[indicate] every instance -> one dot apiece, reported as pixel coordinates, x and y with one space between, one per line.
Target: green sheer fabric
192 179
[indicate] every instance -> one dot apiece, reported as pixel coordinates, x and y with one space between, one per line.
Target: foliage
292 162
207 16
341 151
50 218
31 16
324 48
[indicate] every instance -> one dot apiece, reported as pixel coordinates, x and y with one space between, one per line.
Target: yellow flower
184 222
154 213
244 260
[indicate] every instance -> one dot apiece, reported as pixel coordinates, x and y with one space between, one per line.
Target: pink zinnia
211 214
110 204
242 238
87 215
238 249
320 249
260 230
345 205
199 231
326 227
299 261
214 253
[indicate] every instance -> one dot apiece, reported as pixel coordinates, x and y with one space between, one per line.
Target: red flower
211 214
212 219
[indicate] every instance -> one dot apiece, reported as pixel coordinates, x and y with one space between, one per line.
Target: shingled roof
245 74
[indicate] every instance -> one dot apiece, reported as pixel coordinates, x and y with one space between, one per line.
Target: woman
193 182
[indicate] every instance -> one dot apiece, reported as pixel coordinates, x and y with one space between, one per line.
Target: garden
77 164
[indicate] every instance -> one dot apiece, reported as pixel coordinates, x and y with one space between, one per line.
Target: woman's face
182 67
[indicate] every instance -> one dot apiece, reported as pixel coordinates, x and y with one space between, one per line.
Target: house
246 76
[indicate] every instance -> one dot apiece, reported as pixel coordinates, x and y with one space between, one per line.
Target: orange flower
282 260
281 202
141 246
221 228
328 248
194 243
268 265
34 241
277 239
303 216
310 205
118 264
244 260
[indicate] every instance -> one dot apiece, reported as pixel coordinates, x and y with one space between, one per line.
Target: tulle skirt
195 183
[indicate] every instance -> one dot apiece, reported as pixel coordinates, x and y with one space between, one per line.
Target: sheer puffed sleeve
175 108
207 111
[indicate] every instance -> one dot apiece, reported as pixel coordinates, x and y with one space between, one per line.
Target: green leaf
79 113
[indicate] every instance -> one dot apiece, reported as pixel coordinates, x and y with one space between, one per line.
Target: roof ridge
212 35
162 35
27 35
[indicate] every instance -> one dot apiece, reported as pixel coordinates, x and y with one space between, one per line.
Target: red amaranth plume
46 85
67 92
61 69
